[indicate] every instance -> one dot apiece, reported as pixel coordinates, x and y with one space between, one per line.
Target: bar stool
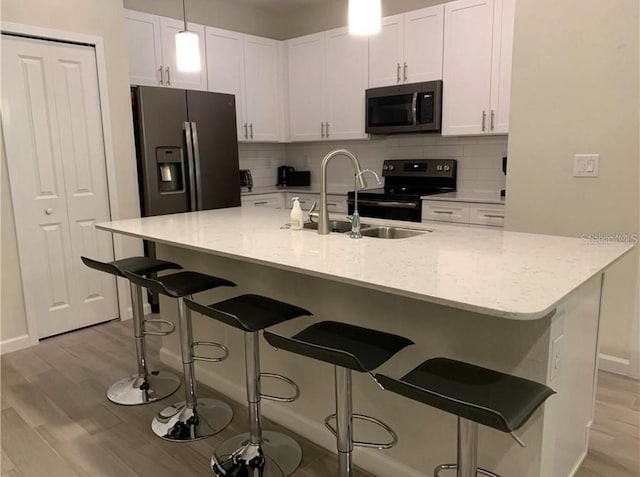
477 396
144 386
348 348
257 452
194 418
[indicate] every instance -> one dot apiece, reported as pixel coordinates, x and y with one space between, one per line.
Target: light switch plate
586 165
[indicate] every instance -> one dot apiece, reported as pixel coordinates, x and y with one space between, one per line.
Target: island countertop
505 274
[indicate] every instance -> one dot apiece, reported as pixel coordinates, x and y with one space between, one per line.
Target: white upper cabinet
477 66
152 52
145 48
327 80
248 67
408 49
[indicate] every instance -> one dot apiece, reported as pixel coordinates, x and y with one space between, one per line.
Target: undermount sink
339 226
391 232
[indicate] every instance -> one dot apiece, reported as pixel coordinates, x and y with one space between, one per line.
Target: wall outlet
586 165
556 357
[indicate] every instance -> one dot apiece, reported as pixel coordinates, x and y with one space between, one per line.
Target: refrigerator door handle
196 163
190 166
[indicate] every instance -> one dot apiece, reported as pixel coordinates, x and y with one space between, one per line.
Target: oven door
409 210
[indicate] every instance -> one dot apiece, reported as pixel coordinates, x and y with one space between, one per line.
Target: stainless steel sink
339 226
391 232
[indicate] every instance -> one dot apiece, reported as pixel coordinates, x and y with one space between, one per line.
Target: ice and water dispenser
170 169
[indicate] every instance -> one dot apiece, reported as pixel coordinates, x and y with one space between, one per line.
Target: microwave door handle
414 109
190 166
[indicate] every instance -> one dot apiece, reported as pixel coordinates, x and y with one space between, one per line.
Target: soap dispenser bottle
296 218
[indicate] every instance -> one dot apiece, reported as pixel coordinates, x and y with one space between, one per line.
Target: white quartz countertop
493 272
483 197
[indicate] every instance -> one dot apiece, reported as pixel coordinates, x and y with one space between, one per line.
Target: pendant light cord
184 14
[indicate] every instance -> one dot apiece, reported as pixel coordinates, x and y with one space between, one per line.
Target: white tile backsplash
479 158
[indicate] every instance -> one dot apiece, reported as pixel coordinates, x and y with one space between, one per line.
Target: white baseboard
374 461
17 343
613 364
146 308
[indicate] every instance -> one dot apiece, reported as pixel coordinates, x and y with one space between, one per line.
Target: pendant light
187 47
365 17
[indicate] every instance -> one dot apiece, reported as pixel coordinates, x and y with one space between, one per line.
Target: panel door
307 87
347 79
55 156
424 44
261 87
144 48
174 78
225 69
467 67
501 66
386 52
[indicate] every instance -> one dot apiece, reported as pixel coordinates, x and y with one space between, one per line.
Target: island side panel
512 346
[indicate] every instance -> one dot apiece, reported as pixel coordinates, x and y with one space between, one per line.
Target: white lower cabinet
336 203
463 212
272 201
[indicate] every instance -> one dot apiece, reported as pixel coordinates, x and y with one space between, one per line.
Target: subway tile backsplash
479 158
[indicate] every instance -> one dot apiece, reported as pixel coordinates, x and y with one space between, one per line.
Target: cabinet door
306 87
261 87
225 68
423 44
144 48
468 34
174 78
501 66
271 201
347 79
386 52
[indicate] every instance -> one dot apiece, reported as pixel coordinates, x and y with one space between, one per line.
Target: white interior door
55 156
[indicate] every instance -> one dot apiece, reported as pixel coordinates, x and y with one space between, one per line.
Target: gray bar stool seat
194 418
349 348
257 452
145 386
477 396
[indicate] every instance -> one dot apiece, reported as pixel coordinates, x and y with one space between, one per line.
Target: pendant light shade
187 47
365 17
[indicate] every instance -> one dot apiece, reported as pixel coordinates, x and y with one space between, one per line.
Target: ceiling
281 5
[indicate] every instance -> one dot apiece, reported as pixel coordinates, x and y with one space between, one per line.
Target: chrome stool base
136 389
178 423
440 468
278 455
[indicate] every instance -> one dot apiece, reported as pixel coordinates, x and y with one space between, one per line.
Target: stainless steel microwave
406 108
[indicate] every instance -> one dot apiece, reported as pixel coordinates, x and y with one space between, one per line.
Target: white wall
575 90
101 18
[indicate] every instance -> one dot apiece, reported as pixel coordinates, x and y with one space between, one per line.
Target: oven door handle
380 203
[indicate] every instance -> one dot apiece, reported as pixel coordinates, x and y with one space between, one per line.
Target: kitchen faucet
355 217
323 214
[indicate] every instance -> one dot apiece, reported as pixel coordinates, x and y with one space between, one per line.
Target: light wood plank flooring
56 420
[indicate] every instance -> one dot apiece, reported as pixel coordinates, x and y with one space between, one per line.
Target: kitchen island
524 304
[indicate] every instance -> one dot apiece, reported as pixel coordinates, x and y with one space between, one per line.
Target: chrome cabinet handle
327 129
446 212
161 75
493 117
246 131
405 71
261 203
484 120
168 76
322 128
48 211
398 73
494 216
251 130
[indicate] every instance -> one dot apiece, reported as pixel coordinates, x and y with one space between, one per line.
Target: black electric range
405 182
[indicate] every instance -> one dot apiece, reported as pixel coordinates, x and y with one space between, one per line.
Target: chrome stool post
344 420
145 386
257 453
194 418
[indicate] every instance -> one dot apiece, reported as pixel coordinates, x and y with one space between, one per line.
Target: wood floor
56 420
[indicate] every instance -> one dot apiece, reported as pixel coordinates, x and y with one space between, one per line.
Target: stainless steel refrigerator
187 150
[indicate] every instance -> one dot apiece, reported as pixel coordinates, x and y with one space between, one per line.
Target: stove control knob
385 167
439 168
392 167
447 168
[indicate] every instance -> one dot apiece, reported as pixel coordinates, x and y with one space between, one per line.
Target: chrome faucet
355 217
323 214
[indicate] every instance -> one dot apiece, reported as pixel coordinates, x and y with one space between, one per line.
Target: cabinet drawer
445 211
273 201
306 200
486 214
337 203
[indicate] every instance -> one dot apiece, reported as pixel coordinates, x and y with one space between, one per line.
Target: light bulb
365 17
188 52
